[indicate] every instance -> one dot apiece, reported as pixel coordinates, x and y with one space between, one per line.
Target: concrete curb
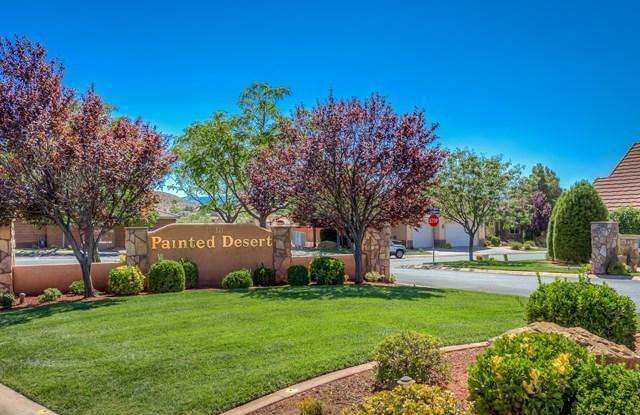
526 273
282 394
13 403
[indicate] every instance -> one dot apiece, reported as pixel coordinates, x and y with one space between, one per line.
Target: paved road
516 284
456 256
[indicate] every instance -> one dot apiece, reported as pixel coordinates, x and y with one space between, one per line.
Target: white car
397 249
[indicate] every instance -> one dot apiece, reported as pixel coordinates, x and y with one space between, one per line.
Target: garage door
423 237
456 235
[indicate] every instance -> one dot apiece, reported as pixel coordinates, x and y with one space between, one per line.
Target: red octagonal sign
434 220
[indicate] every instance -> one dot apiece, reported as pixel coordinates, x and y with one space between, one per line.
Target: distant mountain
201 199
170 203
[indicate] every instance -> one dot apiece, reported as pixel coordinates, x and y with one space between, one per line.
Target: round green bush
606 390
6 300
528 374
515 245
237 279
50 294
528 245
617 268
594 307
373 276
580 206
552 225
125 280
410 354
166 276
76 288
495 240
298 275
327 271
264 276
191 275
410 400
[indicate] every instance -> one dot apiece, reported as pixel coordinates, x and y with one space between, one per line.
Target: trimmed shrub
298 275
327 271
528 374
126 280
572 229
264 276
391 279
328 234
410 354
166 276
617 268
6 300
495 240
594 307
373 276
237 279
628 219
606 390
410 400
191 274
552 225
76 288
310 406
50 294
515 245
528 245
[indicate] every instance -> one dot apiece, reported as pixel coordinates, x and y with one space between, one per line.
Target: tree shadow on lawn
345 291
21 316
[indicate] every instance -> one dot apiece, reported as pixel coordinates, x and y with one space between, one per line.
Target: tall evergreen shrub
580 206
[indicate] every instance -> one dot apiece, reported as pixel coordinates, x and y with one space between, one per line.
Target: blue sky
550 82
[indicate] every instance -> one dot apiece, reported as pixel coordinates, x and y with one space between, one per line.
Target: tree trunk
357 256
96 254
85 265
472 237
313 229
263 221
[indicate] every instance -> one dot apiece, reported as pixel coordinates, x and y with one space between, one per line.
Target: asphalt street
499 283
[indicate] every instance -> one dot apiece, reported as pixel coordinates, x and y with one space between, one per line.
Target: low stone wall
7 257
33 279
629 251
604 245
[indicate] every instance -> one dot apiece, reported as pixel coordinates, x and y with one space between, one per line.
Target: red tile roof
622 187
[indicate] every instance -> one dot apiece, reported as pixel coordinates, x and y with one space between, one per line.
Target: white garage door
423 237
456 235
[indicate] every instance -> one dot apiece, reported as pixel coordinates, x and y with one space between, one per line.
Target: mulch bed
337 395
32 301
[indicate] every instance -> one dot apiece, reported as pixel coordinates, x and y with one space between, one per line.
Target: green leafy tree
552 226
472 189
628 219
543 179
516 210
572 228
213 156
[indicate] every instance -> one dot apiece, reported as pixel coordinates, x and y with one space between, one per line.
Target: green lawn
541 265
201 352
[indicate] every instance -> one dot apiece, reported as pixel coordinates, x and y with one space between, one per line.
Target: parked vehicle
397 249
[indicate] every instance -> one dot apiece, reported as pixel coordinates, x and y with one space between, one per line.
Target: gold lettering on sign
228 241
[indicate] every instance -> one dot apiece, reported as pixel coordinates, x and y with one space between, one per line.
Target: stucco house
622 186
445 234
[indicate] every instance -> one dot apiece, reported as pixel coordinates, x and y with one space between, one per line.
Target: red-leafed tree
359 165
64 160
269 182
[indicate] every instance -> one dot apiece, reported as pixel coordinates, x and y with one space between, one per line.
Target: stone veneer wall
137 247
604 245
7 257
376 249
629 251
281 247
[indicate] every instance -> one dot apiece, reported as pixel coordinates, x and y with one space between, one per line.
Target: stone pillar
136 244
604 245
375 248
629 250
281 249
7 257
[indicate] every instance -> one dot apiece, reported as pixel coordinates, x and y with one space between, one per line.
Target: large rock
602 348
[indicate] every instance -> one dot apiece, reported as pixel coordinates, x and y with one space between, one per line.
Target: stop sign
434 220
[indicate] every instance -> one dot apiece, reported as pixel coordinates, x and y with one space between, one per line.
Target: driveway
515 284
59 259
